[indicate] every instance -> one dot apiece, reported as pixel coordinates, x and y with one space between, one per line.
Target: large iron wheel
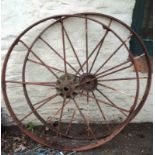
92 84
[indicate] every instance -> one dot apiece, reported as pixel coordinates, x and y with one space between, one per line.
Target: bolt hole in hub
66 89
67 86
71 85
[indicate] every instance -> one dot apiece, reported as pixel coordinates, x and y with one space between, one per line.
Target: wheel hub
88 82
67 85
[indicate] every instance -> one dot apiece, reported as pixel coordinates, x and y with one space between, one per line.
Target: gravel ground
136 139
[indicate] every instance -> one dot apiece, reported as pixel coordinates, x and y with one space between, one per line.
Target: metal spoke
64 50
44 102
115 67
56 69
61 113
101 111
88 110
120 79
105 74
106 103
93 51
84 118
33 83
70 42
39 59
120 91
57 53
70 123
112 103
86 37
123 43
81 93
118 70
97 53
58 111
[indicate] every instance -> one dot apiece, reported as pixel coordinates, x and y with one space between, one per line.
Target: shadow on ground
135 139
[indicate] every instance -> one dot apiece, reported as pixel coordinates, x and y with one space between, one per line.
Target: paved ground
136 139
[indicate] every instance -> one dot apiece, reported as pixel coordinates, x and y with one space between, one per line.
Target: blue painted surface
137 21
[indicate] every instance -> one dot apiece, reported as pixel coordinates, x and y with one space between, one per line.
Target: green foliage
30 126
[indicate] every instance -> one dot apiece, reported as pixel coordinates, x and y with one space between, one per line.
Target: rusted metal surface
70 85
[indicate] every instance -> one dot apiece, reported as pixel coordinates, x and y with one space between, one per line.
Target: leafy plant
30 126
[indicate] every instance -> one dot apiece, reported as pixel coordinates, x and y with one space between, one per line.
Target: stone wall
18 15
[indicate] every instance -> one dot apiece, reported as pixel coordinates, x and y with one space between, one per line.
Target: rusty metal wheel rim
135 108
26 58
